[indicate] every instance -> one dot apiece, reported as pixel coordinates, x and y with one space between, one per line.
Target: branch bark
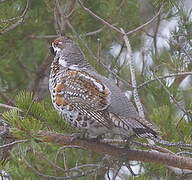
116 28
133 77
176 75
167 159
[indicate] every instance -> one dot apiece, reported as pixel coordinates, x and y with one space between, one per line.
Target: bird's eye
57 42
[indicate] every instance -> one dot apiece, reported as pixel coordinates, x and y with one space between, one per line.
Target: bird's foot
96 139
85 136
79 135
129 141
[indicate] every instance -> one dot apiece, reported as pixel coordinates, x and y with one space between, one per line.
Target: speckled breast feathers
86 99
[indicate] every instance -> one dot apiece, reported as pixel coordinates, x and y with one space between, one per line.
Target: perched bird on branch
88 100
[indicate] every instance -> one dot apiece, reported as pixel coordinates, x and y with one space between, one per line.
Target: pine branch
168 159
139 28
147 23
9 107
21 19
103 149
81 174
99 18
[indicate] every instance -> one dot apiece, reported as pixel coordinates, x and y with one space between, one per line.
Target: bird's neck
69 60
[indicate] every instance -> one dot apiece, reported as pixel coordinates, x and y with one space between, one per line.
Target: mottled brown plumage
88 100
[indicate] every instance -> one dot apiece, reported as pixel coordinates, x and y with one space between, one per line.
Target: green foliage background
22 53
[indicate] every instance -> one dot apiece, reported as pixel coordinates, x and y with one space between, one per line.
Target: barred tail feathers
142 129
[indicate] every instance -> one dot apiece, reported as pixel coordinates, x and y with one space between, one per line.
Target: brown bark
168 159
101 148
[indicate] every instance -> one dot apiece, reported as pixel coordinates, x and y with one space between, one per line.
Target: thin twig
184 152
155 34
62 12
59 177
6 99
21 19
152 146
93 32
115 28
65 163
32 36
63 148
145 24
133 77
60 16
117 172
41 155
13 143
111 68
167 91
56 23
41 174
172 144
9 107
71 8
127 164
164 77
99 18
108 175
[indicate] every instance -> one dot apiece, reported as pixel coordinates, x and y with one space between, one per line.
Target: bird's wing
85 93
126 113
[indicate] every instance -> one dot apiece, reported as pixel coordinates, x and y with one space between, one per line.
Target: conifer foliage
144 46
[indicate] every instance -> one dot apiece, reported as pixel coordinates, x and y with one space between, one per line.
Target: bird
89 101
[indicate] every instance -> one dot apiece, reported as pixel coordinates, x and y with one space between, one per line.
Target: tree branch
164 77
9 107
99 18
133 77
115 28
145 24
21 19
168 159
82 174
103 149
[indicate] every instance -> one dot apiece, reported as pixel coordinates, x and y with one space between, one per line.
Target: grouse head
59 44
68 53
